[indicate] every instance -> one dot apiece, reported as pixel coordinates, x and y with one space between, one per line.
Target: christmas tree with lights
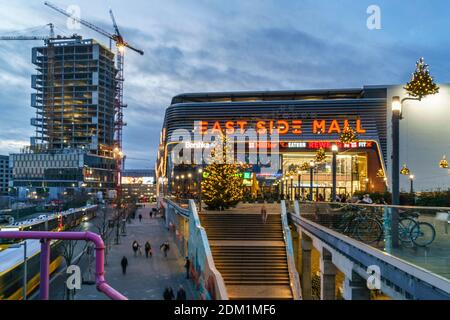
222 185
422 83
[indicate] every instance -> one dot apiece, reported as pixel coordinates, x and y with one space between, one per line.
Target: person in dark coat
187 265
165 248
168 294
148 249
136 246
140 217
181 294
124 264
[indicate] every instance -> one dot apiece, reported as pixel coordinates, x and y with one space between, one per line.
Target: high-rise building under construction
74 95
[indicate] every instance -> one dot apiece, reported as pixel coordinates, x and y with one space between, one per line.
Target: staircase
250 255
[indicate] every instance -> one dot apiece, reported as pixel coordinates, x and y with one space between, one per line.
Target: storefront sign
281 126
325 145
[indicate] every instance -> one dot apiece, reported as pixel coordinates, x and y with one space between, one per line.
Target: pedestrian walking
151 213
264 214
124 264
148 249
165 248
136 246
181 293
140 217
187 265
168 294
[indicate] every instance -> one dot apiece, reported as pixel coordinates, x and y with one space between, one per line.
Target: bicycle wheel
423 234
368 230
405 227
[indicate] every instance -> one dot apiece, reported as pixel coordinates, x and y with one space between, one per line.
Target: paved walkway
146 279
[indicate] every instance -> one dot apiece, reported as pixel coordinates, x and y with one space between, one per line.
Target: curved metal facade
368 106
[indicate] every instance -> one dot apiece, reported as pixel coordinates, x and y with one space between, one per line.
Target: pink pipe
101 284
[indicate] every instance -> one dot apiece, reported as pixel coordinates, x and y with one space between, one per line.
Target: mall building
306 121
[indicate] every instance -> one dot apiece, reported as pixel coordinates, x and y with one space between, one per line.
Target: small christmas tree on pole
348 135
422 83
320 155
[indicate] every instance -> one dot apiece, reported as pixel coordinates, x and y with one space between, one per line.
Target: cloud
196 46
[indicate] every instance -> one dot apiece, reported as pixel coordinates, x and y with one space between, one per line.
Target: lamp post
200 175
299 177
334 149
311 172
291 196
189 182
411 179
183 190
366 180
396 116
177 178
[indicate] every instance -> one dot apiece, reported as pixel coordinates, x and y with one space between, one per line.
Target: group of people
169 295
346 198
165 249
152 212
181 293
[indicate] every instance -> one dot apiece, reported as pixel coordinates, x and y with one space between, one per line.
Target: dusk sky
196 46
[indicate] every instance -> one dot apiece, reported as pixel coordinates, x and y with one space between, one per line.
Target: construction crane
121 44
46 39
26 37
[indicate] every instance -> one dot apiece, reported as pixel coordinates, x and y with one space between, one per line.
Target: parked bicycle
356 224
420 233
367 226
411 231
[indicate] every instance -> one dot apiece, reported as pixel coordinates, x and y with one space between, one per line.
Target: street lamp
311 172
299 177
334 149
411 178
367 184
183 182
25 266
189 182
292 188
396 116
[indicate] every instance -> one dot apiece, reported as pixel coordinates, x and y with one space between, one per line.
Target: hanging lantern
380 173
348 135
320 155
443 163
405 170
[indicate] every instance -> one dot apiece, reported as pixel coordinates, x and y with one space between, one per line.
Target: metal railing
293 274
362 233
45 238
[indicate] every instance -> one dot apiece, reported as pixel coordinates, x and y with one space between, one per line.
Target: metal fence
419 235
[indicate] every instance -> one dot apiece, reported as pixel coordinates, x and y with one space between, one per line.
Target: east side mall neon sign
282 126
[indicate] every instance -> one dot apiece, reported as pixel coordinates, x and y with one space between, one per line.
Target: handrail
183 211
413 270
44 236
378 205
295 281
219 282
